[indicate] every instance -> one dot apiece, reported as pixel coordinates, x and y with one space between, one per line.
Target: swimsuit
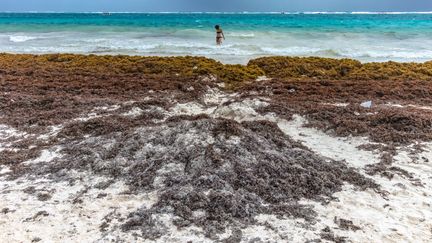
219 36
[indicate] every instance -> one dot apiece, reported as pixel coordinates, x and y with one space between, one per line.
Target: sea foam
21 38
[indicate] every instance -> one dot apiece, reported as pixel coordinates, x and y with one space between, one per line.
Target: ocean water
363 36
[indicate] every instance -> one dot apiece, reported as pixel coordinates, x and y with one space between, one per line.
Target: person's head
217 27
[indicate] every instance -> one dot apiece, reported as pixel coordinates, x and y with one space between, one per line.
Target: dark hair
217 27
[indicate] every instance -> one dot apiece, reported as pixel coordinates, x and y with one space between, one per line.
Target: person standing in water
219 35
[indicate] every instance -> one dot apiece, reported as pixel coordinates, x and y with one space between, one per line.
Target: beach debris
366 104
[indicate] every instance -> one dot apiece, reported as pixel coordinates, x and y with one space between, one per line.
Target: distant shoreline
181 12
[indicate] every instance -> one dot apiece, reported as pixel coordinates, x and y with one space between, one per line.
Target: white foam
242 35
21 38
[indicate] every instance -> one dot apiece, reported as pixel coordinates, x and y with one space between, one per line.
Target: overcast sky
215 5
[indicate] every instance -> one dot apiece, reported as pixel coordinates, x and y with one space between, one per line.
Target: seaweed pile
340 69
212 173
113 116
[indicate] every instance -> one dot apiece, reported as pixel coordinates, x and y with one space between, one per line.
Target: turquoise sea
363 36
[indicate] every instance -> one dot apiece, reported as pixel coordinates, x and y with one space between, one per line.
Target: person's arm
223 35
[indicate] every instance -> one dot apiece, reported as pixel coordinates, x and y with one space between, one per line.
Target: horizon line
229 12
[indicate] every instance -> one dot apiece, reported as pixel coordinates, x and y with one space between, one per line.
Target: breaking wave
21 38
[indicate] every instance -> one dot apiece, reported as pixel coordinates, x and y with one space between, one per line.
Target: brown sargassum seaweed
211 173
250 168
341 69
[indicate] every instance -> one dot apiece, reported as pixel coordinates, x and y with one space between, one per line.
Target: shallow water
366 37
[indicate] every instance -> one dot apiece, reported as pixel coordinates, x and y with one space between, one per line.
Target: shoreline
245 12
241 60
